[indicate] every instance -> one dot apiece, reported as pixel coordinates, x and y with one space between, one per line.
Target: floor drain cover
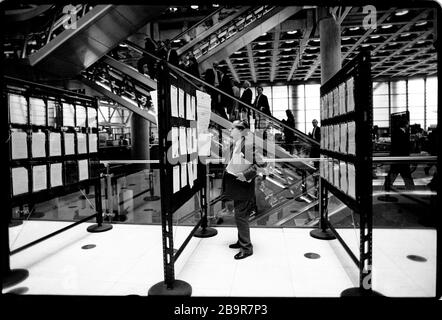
88 246
311 255
416 258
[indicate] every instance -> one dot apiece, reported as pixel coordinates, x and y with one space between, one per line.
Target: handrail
297 132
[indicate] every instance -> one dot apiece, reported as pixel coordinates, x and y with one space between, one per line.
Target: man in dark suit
226 86
316 135
239 185
246 97
400 147
213 77
171 54
262 104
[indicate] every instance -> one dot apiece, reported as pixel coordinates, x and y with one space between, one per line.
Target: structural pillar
140 132
330 36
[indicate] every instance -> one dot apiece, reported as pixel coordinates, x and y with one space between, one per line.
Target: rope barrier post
322 233
99 227
152 197
205 231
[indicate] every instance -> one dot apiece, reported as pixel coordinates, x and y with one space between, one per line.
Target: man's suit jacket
317 134
226 86
247 96
262 104
234 189
209 76
173 57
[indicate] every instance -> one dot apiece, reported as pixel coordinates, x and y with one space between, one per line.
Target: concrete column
330 36
155 31
140 138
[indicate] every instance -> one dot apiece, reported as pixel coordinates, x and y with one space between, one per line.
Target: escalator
86 34
288 176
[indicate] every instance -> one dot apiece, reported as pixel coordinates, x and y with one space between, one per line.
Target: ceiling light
354 28
261 43
401 13
405 35
287 49
286 56
215 5
421 42
292 32
316 40
194 7
387 26
264 34
262 51
173 9
176 41
375 37
422 23
237 52
365 45
346 38
261 58
290 41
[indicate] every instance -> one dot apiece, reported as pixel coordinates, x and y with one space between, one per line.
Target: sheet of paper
69 146
195 140
181 107
38 144
56 174
39 178
343 136
193 107
336 178
342 107
326 176
18 109
174 101
204 144
176 178
351 138
92 118
54 144
344 181
351 175
83 170
183 175
322 167
203 110
52 113
68 115
326 138
331 138
92 142
350 96
19 180
336 102
183 141
330 171
37 110
175 143
81 143
189 140
190 172
337 133
188 107
195 169
19 145
81 116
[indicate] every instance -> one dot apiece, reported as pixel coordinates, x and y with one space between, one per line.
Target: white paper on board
39 181
38 144
203 109
337 133
176 178
183 141
37 110
56 174
183 175
174 101
351 174
336 108
195 169
344 181
92 118
351 138
83 170
54 144
69 145
336 178
19 145
194 140
204 144
92 142
181 106
18 109
81 116
350 96
189 140
193 107
175 143
188 107
19 181
190 172
81 143
342 107
68 115
343 135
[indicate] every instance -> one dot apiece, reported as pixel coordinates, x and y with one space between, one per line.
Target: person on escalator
289 136
146 65
246 97
225 103
238 184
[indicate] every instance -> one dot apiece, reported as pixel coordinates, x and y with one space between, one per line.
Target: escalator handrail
297 132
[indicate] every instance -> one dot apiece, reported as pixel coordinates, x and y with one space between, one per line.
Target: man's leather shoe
242 255
234 246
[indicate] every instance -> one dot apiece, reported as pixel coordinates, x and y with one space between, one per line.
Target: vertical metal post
205 231
323 232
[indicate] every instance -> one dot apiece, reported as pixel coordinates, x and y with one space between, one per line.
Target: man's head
215 65
238 129
315 123
246 84
259 90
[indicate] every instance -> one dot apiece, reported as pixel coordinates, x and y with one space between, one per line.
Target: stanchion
178 288
152 197
322 233
205 231
13 277
99 227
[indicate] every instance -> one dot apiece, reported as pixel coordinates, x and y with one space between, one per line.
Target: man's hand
241 177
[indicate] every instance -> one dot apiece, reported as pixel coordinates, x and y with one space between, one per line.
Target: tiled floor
127 260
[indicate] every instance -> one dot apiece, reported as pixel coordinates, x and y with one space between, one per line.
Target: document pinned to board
38 144
39 181
92 142
183 175
190 172
81 143
54 144
344 181
176 178
174 101
351 138
69 143
183 141
19 181
351 174
188 106
19 145
195 169
175 143
56 174
181 106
